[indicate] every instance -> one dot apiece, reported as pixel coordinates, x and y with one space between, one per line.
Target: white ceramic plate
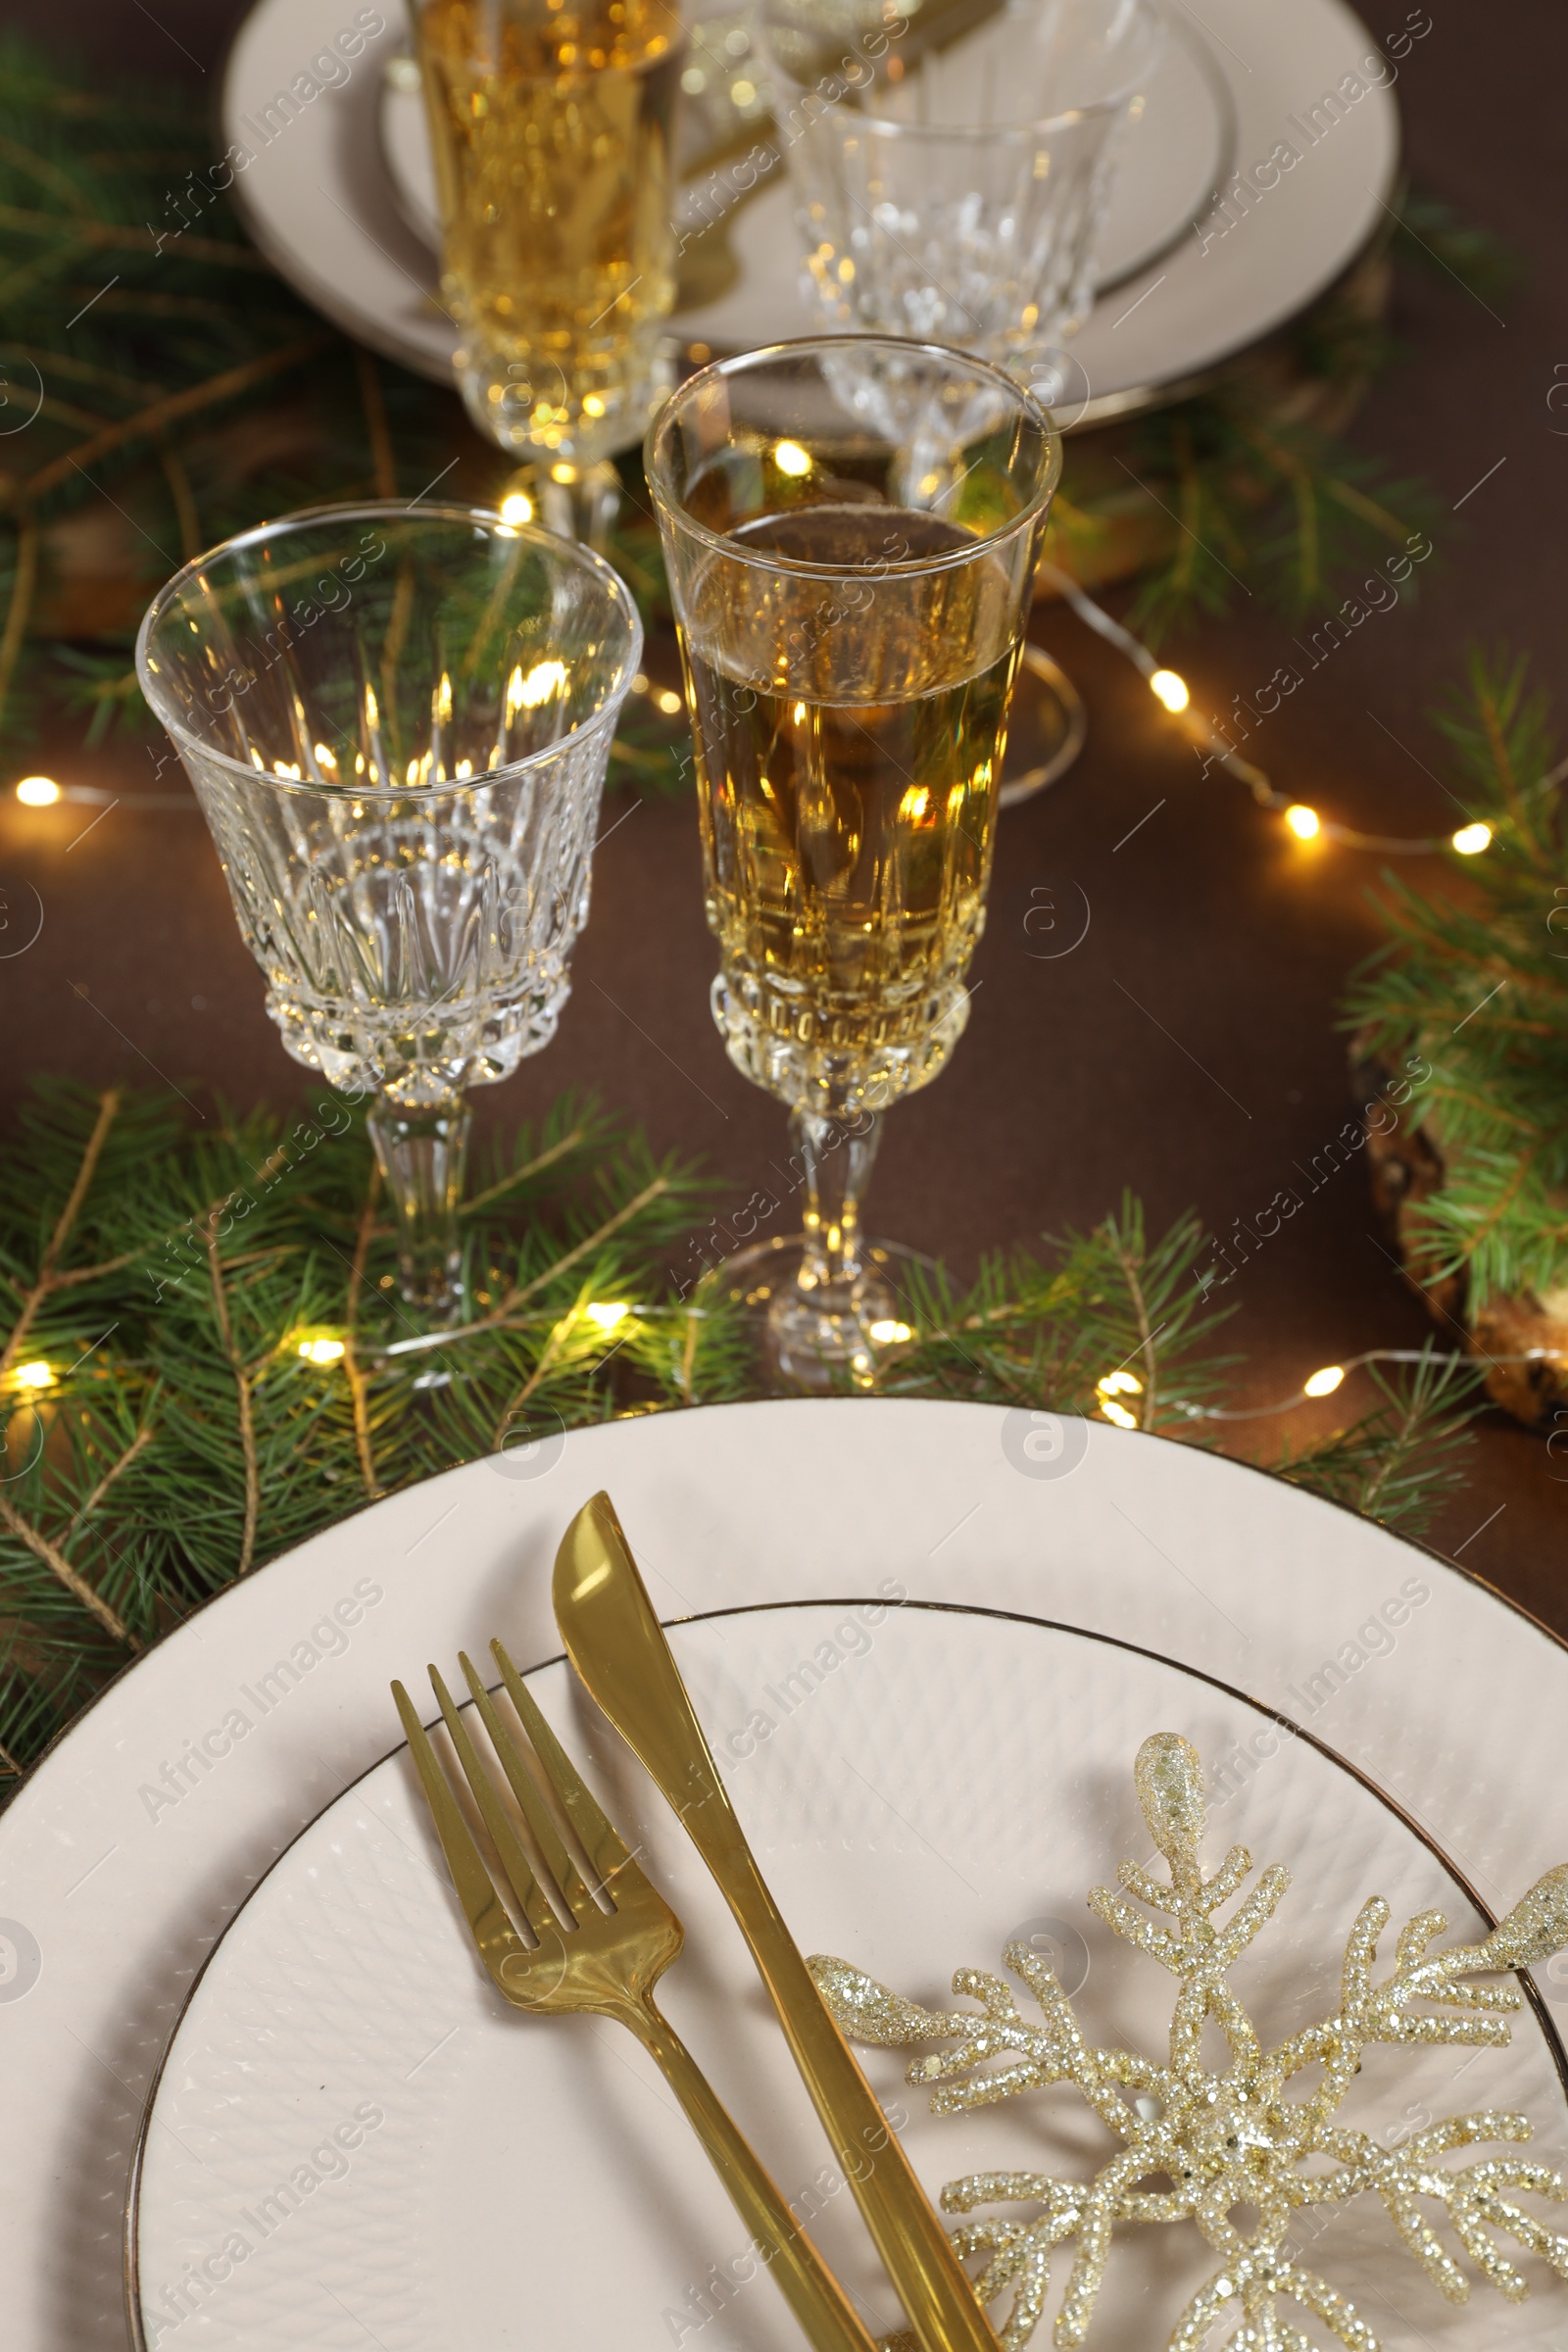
112 1894
934 1784
318 196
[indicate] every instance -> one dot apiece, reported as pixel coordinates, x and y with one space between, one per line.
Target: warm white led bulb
1171 688
1324 1383
1471 840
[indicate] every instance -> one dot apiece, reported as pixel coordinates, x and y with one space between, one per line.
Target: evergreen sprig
1473 982
204 1359
1052 1332
164 1431
1402 1460
1265 503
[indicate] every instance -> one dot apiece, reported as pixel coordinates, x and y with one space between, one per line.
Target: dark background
1187 1046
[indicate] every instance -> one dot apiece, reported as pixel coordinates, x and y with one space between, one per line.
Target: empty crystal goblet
397 722
957 195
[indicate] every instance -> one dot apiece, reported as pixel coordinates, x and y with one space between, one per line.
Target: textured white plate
319 198
111 1896
932 1784
1176 153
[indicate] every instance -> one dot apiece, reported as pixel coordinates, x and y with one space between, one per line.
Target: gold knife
617 1647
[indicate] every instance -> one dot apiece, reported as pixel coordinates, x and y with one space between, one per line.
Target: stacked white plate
1213 239
927 1640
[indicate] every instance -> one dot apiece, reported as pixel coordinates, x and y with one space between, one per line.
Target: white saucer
950 1781
319 199
127 1852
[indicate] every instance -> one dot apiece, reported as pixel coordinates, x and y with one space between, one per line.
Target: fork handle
825 2312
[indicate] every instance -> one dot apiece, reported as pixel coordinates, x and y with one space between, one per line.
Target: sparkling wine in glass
851 527
397 722
552 132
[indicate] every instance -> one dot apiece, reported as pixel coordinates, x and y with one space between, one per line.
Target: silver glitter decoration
1198 2143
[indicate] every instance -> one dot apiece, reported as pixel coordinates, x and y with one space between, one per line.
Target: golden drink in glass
850 528
553 136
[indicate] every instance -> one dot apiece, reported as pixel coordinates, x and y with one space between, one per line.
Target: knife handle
941 2304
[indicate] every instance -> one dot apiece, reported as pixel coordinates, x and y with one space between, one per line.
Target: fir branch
382 457
359 1391
184 498
55 1560
143 1437
172 410
19 610
1045 1334
1399 1462
1432 234
243 1390
1473 983
48 1278
88 234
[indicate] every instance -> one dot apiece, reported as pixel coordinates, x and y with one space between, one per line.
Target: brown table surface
1188 1048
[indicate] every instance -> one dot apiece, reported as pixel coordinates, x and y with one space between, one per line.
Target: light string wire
1323 1384
1172 688
1167 685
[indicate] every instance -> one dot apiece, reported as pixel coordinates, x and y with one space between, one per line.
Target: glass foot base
1046 729
803 1347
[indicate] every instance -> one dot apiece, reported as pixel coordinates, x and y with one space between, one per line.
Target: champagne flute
851 526
397 720
552 125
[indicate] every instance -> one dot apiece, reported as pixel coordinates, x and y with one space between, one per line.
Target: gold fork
602 1962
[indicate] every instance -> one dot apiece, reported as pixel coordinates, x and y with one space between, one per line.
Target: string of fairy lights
1115 1390
1110 1390
324 1347
1171 690
1168 687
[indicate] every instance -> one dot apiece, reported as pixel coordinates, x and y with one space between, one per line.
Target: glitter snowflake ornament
1198 2143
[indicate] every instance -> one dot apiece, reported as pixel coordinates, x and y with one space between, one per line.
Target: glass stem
576 502
835 1157
423 1154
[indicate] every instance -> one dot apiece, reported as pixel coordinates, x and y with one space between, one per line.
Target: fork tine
568 1876
602 1842
514 1861
488 1924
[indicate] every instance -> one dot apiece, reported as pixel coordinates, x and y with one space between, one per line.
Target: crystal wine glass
957 196
397 722
851 527
551 123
